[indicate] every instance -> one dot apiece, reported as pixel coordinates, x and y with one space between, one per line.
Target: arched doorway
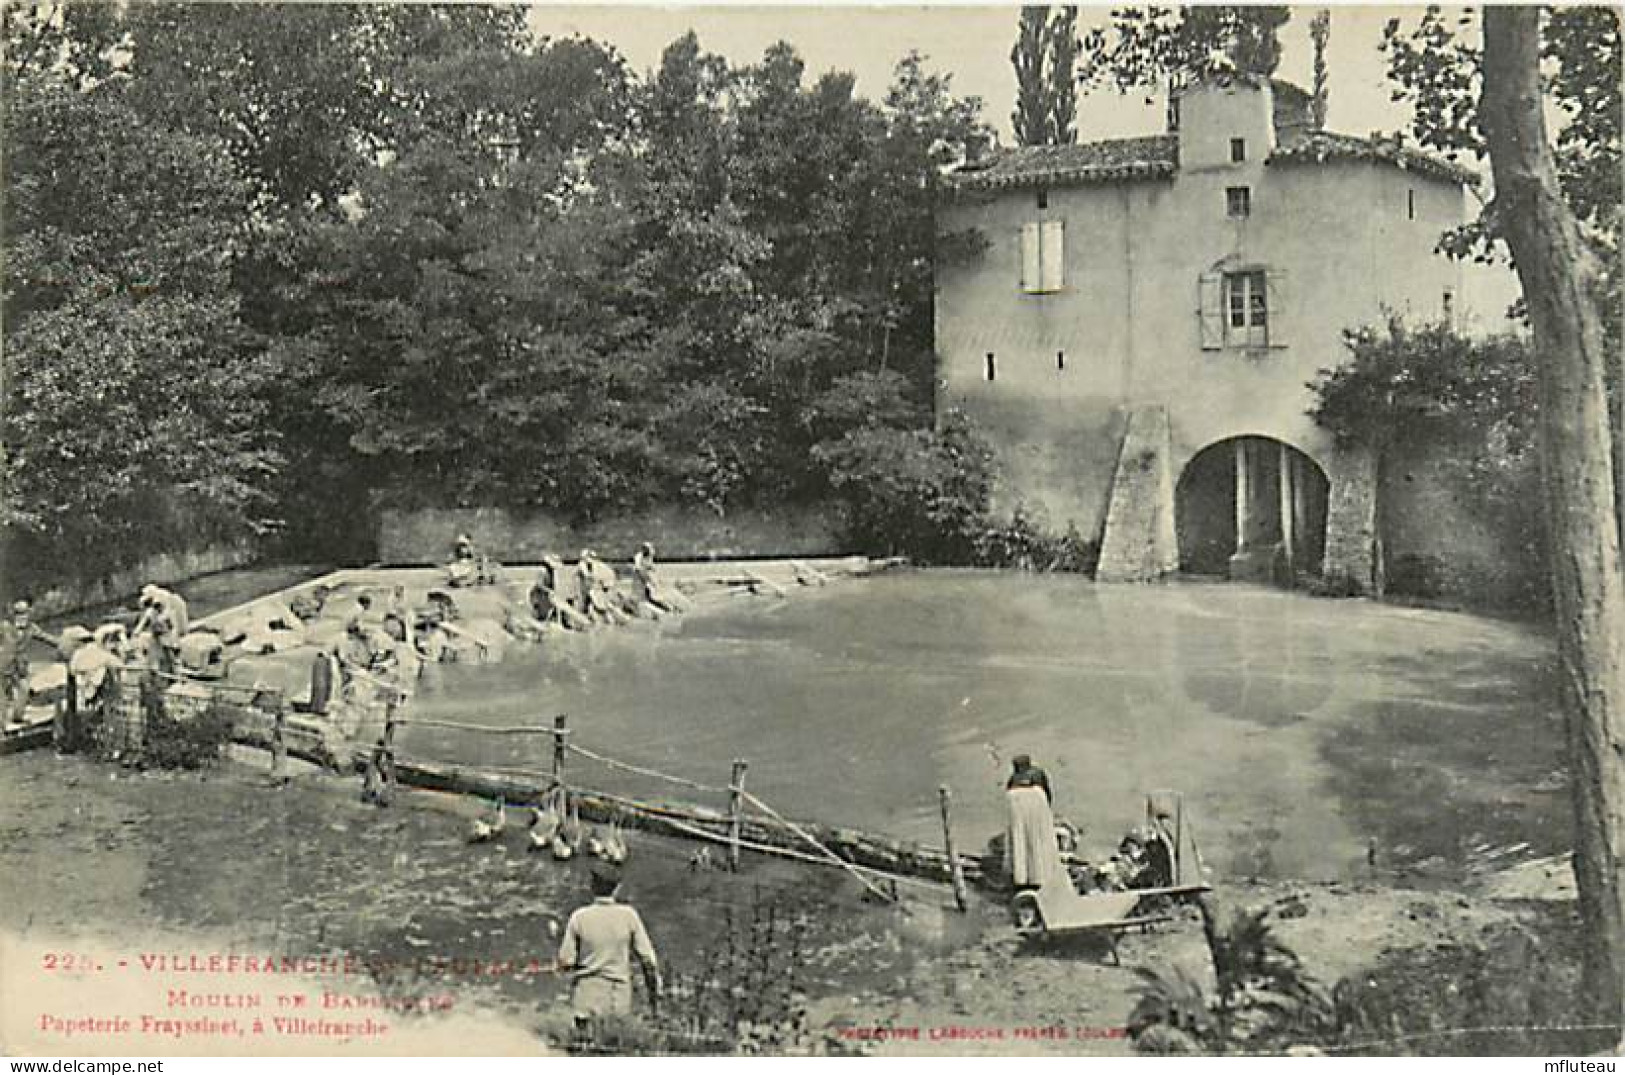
1251 508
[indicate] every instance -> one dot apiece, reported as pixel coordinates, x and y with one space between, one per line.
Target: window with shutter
1248 307
1031 267
1210 310
1043 256
1275 302
1052 248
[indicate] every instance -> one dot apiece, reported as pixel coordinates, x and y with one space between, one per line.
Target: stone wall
424 536
164 568
1438 541
1056 464
1140 542
1351 520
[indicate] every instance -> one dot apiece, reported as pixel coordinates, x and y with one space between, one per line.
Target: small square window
1238 201
1043 198
1238 150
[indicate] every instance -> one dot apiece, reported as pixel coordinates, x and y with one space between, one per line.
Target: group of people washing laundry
390 643
579 598
1040 851
154 636
385 642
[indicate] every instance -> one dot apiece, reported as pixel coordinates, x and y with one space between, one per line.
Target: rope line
452 725
751 845
825 855
632 806
805 835
654 774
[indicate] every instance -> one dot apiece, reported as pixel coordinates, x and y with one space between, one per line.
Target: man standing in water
600 942
1029 843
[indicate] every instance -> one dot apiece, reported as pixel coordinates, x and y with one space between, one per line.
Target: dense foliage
268 264
1045 59
1148 48
1424 392
1436 66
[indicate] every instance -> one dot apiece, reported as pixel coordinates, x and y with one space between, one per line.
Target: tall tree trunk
1556 271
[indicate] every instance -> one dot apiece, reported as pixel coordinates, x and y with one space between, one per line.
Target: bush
1414 575
1511 995
1413 392
919 493
1024 543
1264 998
1336 584
926 494
742 997
189 741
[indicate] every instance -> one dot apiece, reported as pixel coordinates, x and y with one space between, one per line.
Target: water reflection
854 702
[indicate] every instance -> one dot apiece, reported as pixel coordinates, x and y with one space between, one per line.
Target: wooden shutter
1031 269
1053 248
1210 310
1275 306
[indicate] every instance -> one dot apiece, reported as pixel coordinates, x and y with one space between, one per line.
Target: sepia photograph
612 530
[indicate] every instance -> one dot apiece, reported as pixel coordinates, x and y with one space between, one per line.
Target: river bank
1365 767
391 916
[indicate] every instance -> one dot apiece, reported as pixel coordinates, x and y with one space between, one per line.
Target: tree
1031 118
1165 48
917 492
466 330
131 419
1558 273
71 42
1045 58
1468 406
1320 31
1063 76
1437 68
304 95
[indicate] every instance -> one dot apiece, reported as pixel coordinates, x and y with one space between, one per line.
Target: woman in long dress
1030 849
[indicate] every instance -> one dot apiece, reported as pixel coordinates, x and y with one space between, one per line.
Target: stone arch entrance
1251 508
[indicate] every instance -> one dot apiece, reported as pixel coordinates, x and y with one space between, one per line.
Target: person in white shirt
600 942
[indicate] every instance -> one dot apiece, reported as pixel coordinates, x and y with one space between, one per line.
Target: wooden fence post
736 788
389 723
561 734
66 730
956 872
279 745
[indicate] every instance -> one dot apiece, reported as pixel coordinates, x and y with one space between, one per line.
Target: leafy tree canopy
1143 48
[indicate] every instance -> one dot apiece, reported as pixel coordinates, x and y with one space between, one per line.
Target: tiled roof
1157 157
1154 157
1313 147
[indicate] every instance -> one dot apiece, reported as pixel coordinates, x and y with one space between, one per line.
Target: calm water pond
1300 730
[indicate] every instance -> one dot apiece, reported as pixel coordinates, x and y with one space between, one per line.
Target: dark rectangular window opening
1238 201
1410 204
992 371
1060 360
1238 150
1043 198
